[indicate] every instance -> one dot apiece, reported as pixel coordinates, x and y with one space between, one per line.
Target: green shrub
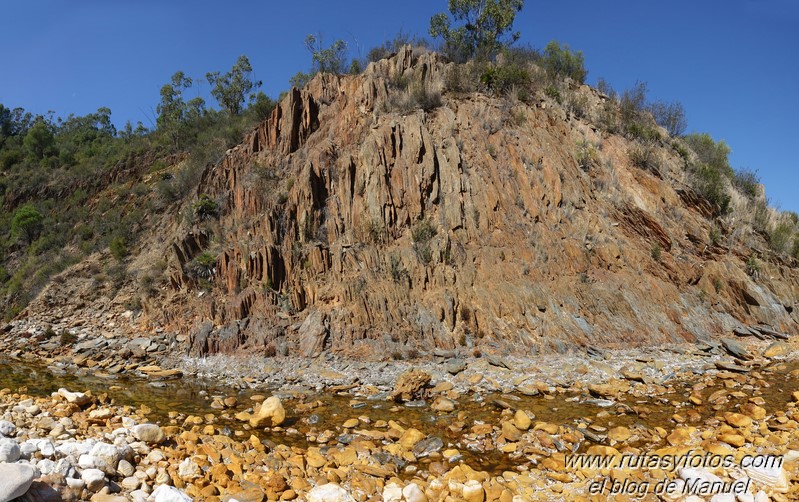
681 151
416 96
68 339
27 223
747 182
632 105
560 62
587 155
643 157
656 252
202 266
119 248
133 304
423 231
780 238
604 87
376 232
463 78
393 46
642 132
795 247
753 266
761 217
397 270
712 153
424 252
502 78
484 28
553 93
709 183
577 104
206 208
715 235
670 116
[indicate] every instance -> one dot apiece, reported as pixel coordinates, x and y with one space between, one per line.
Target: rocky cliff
366 217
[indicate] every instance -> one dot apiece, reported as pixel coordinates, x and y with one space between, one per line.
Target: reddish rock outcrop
351 224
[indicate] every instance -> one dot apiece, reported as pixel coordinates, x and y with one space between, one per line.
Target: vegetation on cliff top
76 185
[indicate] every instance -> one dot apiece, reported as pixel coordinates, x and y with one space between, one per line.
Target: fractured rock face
354 225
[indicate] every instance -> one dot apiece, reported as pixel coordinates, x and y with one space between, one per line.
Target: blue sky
732 63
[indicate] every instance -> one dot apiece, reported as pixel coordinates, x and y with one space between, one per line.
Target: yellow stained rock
619 434
546 427
737 419
410 437
510 432
753 411
473 491
679 436
521 420
733 439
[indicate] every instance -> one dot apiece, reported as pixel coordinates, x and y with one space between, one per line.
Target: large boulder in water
270 414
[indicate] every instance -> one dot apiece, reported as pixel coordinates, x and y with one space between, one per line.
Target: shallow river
189 396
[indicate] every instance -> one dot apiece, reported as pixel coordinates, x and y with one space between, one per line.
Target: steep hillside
383 215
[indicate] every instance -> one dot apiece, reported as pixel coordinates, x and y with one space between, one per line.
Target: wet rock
501 404
443 404
78 398
521 420
15 480
619 434
270 414
410 437
510 432
411 385
737 419
427 446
